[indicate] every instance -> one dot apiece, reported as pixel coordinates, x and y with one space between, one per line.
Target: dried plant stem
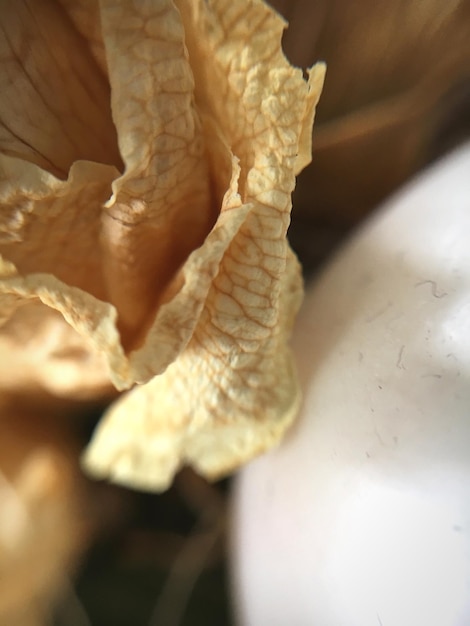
73 610
194 555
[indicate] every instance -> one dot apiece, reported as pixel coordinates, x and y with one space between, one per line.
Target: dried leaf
172 271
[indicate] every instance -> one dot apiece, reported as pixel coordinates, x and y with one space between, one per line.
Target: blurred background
396 97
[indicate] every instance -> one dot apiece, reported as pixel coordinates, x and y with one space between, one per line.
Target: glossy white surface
362 516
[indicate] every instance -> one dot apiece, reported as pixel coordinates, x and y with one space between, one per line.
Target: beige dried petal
50 231
54 107
53 360
229 396
175 269
232 392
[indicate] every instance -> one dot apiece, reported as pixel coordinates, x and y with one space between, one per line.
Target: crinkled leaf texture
143 225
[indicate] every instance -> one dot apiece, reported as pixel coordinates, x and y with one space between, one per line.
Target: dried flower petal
177 272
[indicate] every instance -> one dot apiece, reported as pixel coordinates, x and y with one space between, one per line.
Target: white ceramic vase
362 516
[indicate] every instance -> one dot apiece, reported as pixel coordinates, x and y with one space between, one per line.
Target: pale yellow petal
50 245
232 392
40 353
50 226
174 272
258 106
226 399
161 207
